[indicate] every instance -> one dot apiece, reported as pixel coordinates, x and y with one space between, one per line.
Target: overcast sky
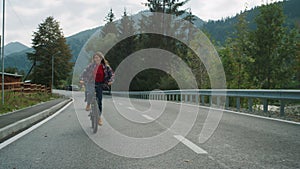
23 16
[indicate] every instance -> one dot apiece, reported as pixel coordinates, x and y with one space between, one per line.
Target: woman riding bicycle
95 76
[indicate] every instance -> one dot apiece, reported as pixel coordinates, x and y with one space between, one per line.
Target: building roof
10 74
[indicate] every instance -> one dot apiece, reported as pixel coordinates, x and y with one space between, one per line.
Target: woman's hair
100 54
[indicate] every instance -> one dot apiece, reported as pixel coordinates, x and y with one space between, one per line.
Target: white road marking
191 145
148 117
131 108
23 133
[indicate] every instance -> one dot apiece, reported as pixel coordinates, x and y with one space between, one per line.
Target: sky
22 17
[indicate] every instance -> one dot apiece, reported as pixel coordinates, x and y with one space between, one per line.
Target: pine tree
48 41
273 49
166 6
239 57
127 44
165 24
126 27
110 26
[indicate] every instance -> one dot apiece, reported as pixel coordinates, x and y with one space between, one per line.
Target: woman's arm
87 74
111 75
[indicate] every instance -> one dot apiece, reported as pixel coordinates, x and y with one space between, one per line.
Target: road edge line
19 123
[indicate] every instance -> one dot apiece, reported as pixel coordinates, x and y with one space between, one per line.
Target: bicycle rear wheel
95 116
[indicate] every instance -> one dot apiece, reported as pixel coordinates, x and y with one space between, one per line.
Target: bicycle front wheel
95 118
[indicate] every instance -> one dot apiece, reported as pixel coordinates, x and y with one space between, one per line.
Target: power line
14 11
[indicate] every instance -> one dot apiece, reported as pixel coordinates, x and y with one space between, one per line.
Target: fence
25 87
219 97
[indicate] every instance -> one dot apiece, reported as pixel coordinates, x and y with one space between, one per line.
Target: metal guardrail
218 97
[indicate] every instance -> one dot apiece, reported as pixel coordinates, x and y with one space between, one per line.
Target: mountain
77 41
18 60
16 53
218 30
14 47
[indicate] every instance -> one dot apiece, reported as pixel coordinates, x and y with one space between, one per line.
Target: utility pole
2 50
52 74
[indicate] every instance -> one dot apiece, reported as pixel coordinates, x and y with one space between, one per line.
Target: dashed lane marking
191 145
148 117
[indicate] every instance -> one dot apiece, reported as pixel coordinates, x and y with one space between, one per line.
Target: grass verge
17 100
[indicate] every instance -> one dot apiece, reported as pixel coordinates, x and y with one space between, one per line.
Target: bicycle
94 114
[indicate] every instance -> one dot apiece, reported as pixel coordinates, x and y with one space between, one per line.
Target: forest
263 54
258 48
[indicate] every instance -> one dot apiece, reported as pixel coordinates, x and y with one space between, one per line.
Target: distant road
239 141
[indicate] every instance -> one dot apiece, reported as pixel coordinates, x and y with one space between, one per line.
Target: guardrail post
282 105
238 103
210 100
218 101
227 102
265 102
202 100
250 104
197 98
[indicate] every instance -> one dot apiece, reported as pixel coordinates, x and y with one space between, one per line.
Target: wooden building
10 78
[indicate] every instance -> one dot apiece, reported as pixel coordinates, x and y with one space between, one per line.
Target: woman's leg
90 91
99 92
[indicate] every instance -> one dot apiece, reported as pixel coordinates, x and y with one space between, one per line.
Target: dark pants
90 91
99 93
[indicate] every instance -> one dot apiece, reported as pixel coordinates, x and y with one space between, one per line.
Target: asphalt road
133 137
10 118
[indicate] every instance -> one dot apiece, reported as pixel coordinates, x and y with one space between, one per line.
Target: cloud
218 9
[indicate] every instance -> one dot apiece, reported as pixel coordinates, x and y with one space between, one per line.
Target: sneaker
100 122
88 107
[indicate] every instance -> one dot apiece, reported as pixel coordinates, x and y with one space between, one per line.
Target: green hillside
221 29
18 60
77 41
